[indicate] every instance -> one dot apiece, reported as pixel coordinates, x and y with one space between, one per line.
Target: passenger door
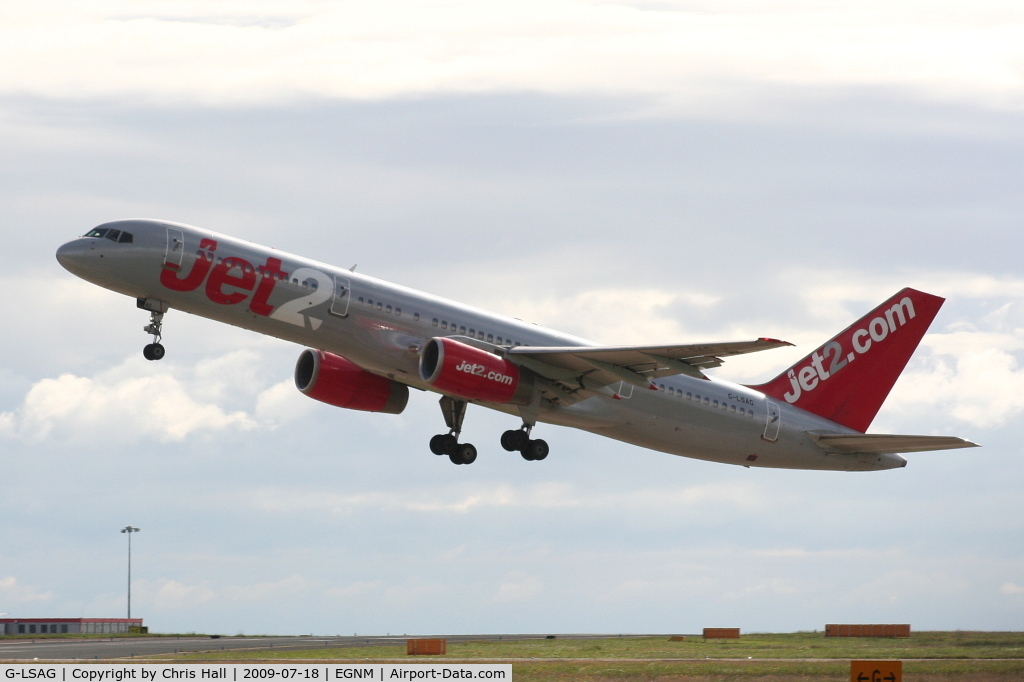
175 247
342 296
773 422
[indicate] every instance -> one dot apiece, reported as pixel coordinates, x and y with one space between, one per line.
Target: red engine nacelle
473 374
336 381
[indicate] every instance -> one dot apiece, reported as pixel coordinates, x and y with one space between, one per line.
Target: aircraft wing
883 443
637 365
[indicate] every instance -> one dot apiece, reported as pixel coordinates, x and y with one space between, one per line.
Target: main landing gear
155 350
519 439
448 443
465 453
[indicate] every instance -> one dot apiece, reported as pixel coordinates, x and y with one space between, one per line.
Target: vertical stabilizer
848 378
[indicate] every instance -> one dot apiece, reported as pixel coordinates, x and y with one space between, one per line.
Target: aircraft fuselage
382 327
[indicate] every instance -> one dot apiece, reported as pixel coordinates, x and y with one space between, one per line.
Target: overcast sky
631 172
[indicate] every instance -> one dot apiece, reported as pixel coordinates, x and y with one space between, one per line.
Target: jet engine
473 374
336 381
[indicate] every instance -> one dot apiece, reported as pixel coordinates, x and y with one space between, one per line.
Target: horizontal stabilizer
885 443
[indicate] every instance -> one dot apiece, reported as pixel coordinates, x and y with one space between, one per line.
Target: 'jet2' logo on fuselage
231 281
810 376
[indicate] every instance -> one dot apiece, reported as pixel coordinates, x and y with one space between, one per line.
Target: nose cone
73 255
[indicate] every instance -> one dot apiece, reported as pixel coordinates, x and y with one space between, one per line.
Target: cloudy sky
632 172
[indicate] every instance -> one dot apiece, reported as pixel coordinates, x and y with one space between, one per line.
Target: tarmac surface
130 647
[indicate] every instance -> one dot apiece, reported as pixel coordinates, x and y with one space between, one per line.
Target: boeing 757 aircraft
369 341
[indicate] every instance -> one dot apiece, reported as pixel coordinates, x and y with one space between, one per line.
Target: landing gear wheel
437 444
444 444
464 454
153 351
536 450
449 443
514 440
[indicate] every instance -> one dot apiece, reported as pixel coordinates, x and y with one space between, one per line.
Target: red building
68 626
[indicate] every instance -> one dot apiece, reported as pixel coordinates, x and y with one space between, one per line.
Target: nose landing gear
155 350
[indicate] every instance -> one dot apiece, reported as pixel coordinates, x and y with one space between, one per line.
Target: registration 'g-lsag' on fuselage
369 340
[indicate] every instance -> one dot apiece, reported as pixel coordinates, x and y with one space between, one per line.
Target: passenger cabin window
444 324
389 310
490 338
434 322
462 330
498 340
380 306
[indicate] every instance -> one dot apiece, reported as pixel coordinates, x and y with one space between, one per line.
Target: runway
121 648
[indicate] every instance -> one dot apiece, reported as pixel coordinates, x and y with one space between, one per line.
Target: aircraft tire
537 449
449 444
511 440
437 444
467 453
153 351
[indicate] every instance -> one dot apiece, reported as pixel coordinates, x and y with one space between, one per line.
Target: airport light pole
129 530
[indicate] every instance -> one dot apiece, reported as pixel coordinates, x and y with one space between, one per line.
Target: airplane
369 341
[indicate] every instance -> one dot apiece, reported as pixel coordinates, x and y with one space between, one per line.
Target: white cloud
691 51
164 594
473 498
132 407
281 403
11 590
287 588
355 589
140 400
518 587
1011 589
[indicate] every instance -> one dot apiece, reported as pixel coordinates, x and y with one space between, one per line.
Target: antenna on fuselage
353 268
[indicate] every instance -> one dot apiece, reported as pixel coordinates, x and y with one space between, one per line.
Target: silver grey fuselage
727 424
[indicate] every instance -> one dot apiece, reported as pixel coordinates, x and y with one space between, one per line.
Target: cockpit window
111 234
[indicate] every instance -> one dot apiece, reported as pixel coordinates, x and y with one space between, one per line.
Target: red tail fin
847 379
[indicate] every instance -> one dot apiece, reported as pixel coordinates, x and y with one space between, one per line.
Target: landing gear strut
531 450
448 443
154 351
